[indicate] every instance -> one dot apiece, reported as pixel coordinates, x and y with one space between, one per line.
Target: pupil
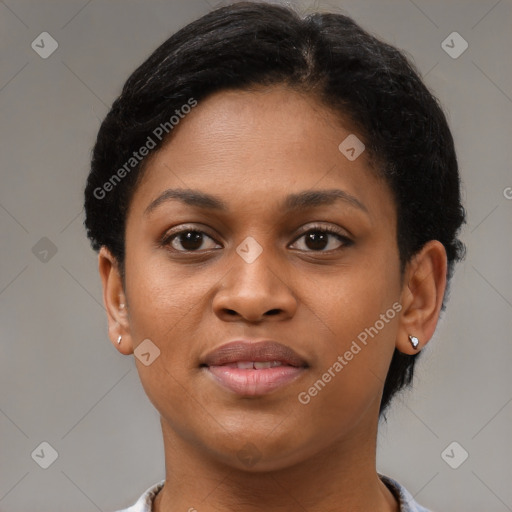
191 240
316 240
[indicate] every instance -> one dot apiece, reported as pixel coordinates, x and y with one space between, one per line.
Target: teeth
262 365
248 365
245 365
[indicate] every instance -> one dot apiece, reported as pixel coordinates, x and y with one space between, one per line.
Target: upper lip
261 351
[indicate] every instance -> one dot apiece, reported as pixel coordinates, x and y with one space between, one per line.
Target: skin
251 149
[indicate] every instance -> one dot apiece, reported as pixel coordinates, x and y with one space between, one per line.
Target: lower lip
251 382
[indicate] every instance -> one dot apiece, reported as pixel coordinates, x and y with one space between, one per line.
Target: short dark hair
351 72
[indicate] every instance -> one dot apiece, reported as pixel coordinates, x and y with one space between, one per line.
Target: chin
257 452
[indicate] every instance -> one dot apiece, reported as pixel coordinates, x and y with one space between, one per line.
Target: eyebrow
292 202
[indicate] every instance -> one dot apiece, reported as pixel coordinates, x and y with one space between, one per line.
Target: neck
340 478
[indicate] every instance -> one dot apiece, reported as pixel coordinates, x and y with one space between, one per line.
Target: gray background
62 382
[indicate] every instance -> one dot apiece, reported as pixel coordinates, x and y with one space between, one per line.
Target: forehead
255 146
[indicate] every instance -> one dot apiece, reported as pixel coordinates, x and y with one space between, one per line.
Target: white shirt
405 499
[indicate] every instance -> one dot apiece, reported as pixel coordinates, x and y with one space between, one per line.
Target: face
263 258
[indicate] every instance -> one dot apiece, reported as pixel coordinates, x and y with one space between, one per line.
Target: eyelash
346 242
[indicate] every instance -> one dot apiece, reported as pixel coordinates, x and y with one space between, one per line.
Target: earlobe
422 297
115 302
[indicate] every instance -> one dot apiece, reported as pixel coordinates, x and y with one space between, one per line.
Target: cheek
161 296
353 299
356 342
166 307
349 381
169 306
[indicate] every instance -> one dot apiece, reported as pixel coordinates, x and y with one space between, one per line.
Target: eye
316 239
322 239
191 240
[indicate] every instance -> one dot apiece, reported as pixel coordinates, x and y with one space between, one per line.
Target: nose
254 292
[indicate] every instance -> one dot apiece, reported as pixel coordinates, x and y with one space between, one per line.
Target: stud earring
119 340
121 306
414 341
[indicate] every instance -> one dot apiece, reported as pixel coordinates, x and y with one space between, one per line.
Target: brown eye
190 240
323 240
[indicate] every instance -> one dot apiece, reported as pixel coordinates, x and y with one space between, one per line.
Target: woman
275 201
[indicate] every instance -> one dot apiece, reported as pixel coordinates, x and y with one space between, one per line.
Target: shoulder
145 502
405 499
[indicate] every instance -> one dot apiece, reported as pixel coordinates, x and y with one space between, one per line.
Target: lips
261 352
251 369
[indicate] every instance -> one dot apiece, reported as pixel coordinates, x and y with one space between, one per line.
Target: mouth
253 369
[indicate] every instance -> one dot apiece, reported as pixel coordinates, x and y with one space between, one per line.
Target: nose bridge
254 266
254 285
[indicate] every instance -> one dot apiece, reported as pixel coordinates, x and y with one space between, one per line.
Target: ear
115 302
422 296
